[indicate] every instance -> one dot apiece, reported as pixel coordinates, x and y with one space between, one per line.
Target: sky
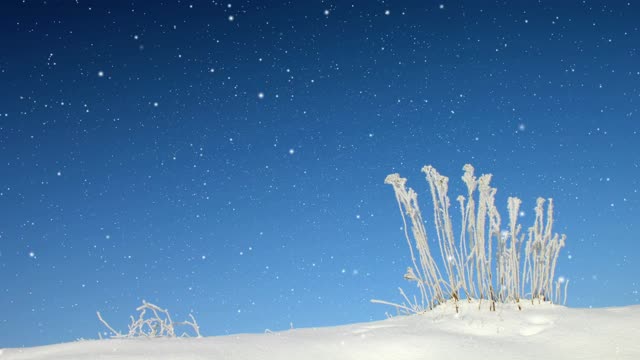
227 159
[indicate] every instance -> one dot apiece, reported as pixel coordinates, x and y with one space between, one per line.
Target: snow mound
538 331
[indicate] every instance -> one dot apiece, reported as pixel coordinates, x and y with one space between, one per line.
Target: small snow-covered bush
153 321
487 261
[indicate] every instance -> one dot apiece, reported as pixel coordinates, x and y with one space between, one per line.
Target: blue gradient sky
228 158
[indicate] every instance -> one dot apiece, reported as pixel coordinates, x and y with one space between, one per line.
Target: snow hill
540 331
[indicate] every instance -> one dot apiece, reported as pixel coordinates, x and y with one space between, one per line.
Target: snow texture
540 331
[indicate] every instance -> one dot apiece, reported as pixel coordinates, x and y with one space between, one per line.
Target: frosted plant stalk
427 274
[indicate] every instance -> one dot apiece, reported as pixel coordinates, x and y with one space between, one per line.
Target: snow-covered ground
541 331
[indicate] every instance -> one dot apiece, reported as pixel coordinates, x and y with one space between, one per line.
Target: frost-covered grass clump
486 262
153 322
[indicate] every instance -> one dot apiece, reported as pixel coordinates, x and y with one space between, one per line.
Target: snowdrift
539 331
